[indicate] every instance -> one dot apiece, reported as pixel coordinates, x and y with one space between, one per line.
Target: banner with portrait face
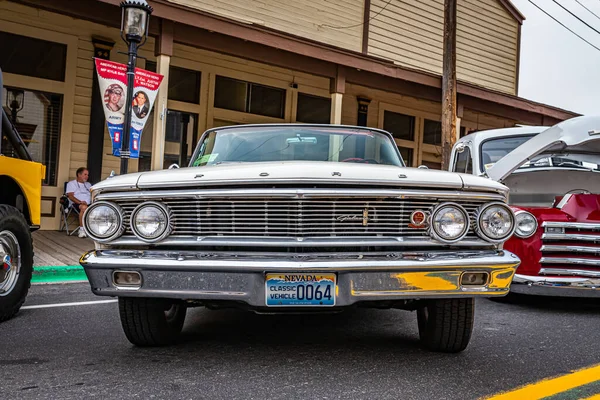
112 79
145 90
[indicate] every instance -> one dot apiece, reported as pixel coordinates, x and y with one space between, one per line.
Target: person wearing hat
115 93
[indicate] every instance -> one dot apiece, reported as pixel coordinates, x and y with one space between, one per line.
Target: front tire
151 322
445 325
16 261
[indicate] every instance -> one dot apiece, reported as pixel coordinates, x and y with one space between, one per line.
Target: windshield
494 149
296 143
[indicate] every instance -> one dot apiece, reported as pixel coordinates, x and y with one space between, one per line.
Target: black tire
446 325
151 322
12 295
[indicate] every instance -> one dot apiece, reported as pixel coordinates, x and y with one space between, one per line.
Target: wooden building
361 62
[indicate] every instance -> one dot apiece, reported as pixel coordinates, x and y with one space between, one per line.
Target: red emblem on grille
418 219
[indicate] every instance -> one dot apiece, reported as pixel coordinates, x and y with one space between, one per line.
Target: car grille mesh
298 218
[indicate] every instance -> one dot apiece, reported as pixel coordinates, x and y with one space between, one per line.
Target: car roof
478 137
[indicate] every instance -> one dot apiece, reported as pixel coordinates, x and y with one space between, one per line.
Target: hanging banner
112 79
145 90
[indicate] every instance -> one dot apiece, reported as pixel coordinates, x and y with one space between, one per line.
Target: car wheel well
12 195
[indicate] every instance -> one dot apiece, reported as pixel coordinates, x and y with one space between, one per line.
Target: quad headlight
150 221
495 222
526 224
449 223
103 221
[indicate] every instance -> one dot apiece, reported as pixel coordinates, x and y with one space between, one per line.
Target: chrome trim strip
194 241
299 262
569 236
570 272
302 193
564 260
571 225
572 249
562 287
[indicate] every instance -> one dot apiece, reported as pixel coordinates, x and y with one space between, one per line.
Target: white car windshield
296 143
494 149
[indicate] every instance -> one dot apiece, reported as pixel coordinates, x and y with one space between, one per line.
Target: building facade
359 62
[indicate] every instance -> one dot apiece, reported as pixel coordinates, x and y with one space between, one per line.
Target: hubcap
10 255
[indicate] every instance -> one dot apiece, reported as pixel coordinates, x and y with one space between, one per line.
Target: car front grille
297 217
571 249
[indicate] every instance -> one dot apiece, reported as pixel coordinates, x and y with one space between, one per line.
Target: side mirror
173 166
460 147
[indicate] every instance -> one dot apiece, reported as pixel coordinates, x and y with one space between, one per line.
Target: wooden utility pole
449 83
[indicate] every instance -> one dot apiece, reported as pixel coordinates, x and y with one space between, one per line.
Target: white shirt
80 190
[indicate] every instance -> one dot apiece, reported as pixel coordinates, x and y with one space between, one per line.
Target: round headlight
526 224
103 221
496 222
449 223
150 221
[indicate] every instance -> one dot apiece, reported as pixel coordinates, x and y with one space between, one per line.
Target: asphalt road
80 352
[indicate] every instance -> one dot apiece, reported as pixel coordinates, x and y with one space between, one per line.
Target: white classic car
554 178
299 218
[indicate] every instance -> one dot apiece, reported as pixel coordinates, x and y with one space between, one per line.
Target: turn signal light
127 278
474 278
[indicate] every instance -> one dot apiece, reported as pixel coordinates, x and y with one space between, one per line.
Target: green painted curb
65 273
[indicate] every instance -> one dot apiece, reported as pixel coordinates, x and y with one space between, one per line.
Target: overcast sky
557 68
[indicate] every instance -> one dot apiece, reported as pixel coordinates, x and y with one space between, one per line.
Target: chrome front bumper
240 277
556 286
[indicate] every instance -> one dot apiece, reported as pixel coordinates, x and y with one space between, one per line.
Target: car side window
463 162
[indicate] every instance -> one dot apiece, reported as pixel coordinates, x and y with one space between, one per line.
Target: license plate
300 290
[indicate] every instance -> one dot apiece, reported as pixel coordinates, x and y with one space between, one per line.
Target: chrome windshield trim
571 225
573 249
301 193
565 260
570 272
235 241
569 236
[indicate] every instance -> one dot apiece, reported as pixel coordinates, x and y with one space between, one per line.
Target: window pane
313 109
266 100
32 57
432 165
400 125
184 85
407 155
463 162
432 132
230 94
463 131
38 123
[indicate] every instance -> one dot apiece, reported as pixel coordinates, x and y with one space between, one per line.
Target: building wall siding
335 22
410 33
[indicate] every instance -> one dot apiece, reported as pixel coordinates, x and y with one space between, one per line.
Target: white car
310 218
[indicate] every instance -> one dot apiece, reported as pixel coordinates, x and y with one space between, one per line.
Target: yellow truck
20 203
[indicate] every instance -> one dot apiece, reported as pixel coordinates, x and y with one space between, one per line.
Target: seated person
78 192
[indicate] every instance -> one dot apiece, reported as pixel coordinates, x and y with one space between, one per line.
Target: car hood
576 135
299 172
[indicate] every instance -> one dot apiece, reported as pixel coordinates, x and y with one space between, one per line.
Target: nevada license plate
300 290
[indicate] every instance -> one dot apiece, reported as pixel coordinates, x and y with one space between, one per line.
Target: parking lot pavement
79 351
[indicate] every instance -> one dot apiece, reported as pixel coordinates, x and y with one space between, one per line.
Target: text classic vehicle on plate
554 178
288 218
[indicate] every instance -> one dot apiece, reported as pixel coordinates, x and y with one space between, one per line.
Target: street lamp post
135 19
15 101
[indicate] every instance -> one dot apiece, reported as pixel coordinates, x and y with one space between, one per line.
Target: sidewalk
56 257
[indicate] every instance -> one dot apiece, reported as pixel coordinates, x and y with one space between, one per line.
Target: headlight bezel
120 217
168 226
526 213
481 231
435 234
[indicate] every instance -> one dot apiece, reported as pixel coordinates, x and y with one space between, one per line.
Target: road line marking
551 386
80 303
594 397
